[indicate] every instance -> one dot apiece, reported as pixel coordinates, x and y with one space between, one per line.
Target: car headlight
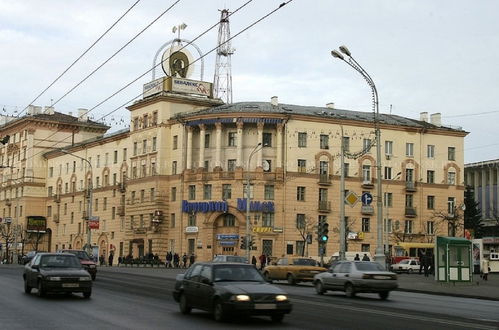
281 297
53 278
85 278
242 297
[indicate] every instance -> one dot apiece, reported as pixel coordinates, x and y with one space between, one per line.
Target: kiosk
453 259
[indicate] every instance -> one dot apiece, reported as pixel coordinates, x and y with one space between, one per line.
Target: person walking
176 260
485 269
184 260
365 257
111 257
192 259
421 262
253 261
263 261
169 258
357 258
426 264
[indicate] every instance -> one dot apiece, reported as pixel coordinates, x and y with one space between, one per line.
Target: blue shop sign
211 206
255 206
227 243
227 237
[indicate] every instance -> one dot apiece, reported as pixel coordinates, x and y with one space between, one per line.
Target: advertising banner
36 224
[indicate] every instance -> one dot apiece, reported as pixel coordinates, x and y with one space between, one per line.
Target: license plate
265 306
382 277
69 285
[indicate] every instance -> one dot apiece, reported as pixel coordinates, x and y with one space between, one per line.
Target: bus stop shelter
453 259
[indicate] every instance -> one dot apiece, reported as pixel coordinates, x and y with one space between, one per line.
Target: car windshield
368 266
80 254
59 261
236 259
238 273
403 262
304 262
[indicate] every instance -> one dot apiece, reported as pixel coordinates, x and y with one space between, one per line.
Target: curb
440 293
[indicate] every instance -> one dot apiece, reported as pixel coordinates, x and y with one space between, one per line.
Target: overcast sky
424 55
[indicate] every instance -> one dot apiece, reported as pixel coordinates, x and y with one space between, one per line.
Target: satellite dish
177 62
266 165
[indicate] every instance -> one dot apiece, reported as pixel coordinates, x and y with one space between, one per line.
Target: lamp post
89 201
248 196
344 52
387 233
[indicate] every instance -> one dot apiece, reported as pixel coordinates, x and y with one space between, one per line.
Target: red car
85 260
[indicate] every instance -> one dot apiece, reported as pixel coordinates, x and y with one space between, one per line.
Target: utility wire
79 57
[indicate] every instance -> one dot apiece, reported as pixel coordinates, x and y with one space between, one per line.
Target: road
142 300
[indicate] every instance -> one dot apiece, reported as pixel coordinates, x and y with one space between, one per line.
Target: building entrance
228 233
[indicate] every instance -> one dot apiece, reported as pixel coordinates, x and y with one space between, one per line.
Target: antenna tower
223 72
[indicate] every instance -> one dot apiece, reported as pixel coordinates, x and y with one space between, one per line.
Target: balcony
324 179
367 184
367 209
410 186
324 206
410 212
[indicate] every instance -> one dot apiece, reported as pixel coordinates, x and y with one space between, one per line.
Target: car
293 269
356 277
85 260
226 288
56 273
27 258
406 266
228 258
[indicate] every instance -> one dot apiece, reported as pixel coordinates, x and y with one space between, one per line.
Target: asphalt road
123 300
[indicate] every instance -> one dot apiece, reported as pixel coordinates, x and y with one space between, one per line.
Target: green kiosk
453 259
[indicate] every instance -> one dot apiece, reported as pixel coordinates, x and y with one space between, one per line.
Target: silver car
229 258
355 277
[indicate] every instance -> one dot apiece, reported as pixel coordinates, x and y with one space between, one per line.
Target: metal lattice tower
222 82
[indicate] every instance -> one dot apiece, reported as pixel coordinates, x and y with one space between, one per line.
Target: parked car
227 258
355 277
56 272
229 288
28 257
85 260
407 266
293 269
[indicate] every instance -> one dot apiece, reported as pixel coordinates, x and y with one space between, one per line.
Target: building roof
58 117
485 163
333 113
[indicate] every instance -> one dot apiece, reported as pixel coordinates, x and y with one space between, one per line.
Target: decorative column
260 140
483 204
218 145
202 133
280 128
189 147
491 192
239 161
475 188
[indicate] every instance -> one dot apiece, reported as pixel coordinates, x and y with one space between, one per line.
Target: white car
406 266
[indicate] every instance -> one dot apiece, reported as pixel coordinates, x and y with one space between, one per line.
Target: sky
424 56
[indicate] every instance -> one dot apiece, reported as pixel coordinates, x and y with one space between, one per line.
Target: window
323 194
324 141
267 139
451 153
365 248
229 220
226 191
388 173
96 204
191 220
65 208
346 143
366 145
104 206
269 192
154 141
302 166
145 122
366 173
152 193
142 195
175 142
135 148
387 225
302 140
173 194
231 165
206 141
49 211
430 176
300 221
155 118
408 227
133 197
268 219
231 142
388 148
300 193
172 220
144 146
346 169
451 205
409 149
409 200
430 227
192 192
49 191
409 175
365 225
430 202
124 154
207 191
430 151
451 178
135 123
51 172
113 212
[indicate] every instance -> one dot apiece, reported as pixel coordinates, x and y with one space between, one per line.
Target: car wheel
27 288
409 271
184 307
218 312
277 317
384 295
349 290
291 279
87 294
319 287
41 290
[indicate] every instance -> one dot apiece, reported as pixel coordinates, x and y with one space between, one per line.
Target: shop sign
278 229
262 229
227 243
183 85
222 237
490 240
93 224
255 206
353 235
191 229
211 206
35 223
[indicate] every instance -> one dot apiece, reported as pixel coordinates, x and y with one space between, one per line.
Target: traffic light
251 242
322 231
243 242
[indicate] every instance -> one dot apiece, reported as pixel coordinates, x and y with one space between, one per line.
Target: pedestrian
120 260
176 260
253 261
485 269
421 262
102 260
426 264
365 257
169 260
263 261
184 260
357 258
192 258
111 257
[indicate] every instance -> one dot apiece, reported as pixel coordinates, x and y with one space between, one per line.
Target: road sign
366 198
351 198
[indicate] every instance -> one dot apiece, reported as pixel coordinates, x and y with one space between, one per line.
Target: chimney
274 101
436 119
82 115
48 110
330 105
423 116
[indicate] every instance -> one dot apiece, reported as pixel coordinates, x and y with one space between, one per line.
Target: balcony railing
324 178
324 206
410 212
410 186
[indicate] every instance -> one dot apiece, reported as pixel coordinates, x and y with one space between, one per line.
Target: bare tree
453 220
7 235
305 228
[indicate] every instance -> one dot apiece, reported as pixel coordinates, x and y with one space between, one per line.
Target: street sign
351 198
367 198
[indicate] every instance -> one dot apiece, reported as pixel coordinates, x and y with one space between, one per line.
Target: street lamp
89 201
248 196
344 52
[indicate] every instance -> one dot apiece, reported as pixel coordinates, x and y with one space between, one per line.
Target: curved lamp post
248 196
342 54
